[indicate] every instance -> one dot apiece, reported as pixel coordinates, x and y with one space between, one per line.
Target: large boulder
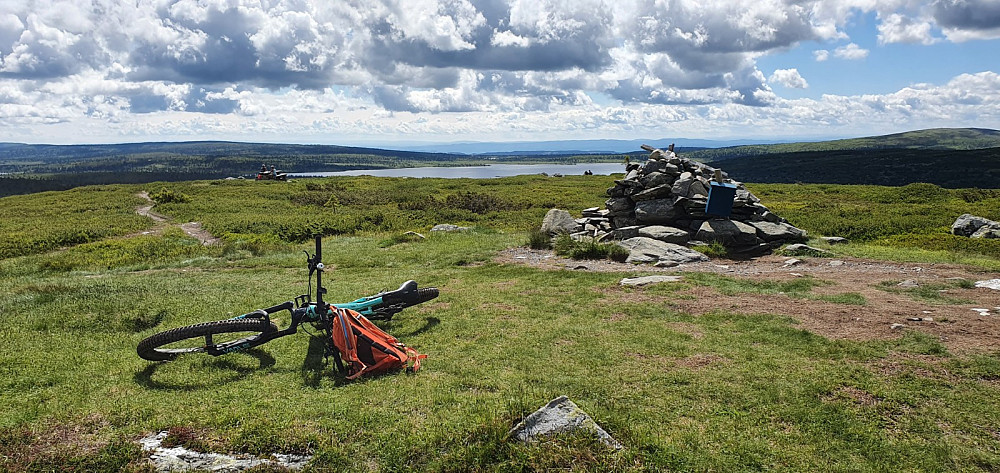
969 225
775 231
647 250
559 221
731 233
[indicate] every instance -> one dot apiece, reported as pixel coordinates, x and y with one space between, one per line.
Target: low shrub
565 245
539 240
167 196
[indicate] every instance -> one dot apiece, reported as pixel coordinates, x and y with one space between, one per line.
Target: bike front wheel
198 338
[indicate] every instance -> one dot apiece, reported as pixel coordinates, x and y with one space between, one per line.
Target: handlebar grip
283 306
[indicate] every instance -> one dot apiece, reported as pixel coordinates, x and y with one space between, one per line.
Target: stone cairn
659 207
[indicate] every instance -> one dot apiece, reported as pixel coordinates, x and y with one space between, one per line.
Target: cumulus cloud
897 28
789 78
851 52
62 60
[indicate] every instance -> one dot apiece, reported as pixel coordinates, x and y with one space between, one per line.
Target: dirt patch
854 395
956 325
701 360
161 222
195 230
924 366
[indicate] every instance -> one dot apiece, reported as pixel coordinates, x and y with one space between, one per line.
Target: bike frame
307 311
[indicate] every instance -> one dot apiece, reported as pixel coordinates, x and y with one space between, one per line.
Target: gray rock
658 192
667 234
987 231
627 220
989 284
447 227
835 240
767 216
559 221
652 166
183 459
769 231
687 185
624 233
968 224
656 179
560 416
655 211
646 280
730 233
908 284
648 250
619 205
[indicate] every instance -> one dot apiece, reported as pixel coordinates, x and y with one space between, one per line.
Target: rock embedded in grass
560 416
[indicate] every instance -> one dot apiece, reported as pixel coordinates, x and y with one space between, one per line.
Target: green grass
746 393
718 391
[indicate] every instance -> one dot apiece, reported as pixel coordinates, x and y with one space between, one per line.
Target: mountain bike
253 329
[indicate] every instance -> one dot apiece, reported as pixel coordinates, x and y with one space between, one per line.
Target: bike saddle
406 293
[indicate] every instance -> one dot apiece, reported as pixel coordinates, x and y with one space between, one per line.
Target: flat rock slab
447 227
181 459
645 280
560 415
989 284
648 250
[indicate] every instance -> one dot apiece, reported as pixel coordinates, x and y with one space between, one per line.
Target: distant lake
478 172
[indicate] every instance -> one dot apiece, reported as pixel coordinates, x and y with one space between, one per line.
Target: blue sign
720 199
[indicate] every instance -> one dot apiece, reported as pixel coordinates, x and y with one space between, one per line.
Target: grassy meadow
719 391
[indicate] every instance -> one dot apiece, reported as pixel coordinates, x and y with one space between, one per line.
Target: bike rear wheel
165 346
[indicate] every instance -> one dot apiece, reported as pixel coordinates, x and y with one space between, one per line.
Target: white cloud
789 78
851 52
896 28
223 66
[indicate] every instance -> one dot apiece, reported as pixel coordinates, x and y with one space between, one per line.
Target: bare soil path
949 317
193 229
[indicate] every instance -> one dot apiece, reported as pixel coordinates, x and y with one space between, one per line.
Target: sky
393 72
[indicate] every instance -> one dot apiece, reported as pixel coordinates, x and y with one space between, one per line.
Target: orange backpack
365 349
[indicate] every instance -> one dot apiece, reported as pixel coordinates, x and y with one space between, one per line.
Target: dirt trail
949 317
193 229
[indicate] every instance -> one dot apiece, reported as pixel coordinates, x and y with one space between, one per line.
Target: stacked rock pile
660 205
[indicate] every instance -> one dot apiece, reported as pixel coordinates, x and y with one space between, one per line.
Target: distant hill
887 167
529 148
932 139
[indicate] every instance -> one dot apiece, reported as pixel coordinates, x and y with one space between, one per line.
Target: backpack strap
416 357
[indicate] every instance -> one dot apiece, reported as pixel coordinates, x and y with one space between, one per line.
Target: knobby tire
149 349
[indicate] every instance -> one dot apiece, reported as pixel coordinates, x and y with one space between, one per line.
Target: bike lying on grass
338 323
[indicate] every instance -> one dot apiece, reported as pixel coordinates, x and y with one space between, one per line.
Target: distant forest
36 168
887 167
954 158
